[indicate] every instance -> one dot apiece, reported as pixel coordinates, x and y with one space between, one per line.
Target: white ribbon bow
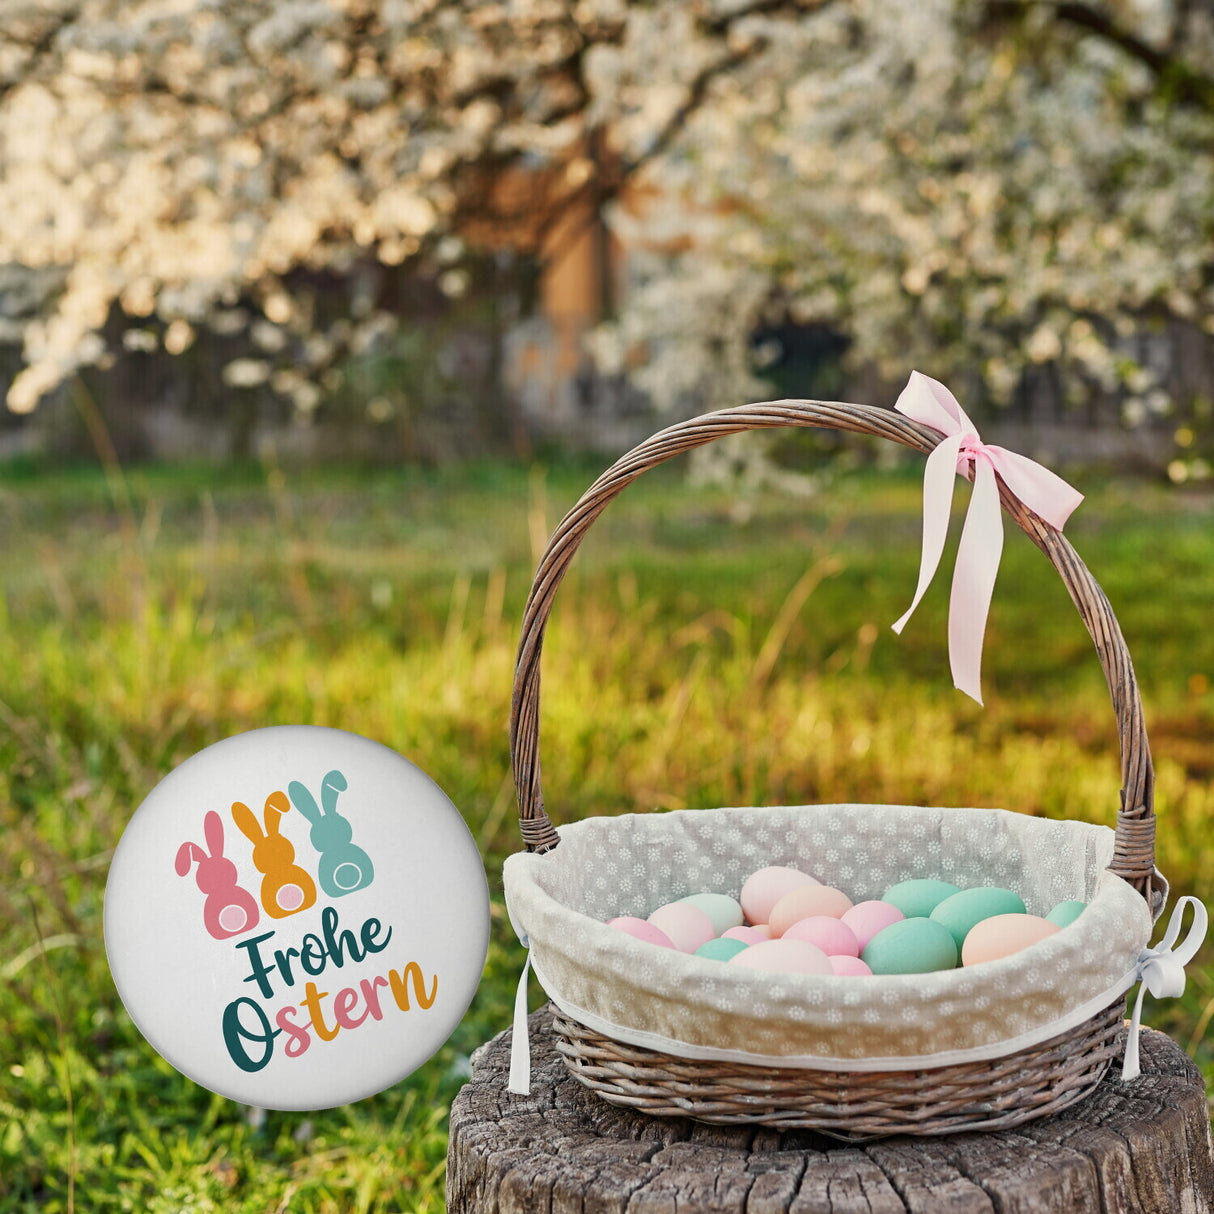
930 402
1160 970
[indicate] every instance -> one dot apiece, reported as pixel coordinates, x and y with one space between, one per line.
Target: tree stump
1143 1146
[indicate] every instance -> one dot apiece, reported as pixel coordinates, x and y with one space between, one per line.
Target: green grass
142 619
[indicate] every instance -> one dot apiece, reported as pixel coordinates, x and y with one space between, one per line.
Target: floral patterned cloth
689 1006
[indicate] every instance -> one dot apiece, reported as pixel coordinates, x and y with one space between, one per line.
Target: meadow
705 650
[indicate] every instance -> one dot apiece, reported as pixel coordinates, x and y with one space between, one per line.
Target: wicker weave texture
983 1095
856 1106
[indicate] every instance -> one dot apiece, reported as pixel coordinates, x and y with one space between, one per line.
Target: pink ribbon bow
930 402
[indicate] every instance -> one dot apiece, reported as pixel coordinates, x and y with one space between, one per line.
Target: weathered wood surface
1142 1147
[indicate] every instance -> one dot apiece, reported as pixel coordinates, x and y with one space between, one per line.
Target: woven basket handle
1134 853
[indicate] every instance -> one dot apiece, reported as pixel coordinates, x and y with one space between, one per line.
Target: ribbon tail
938 478
974 581
1130 1068
519 1082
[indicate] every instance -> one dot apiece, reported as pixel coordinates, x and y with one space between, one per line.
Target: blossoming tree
982 188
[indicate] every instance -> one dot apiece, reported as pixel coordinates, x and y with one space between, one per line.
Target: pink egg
686 925
762 890
832 936
849 966
641 929
787 956
1002 935
748 935
866 919
807 901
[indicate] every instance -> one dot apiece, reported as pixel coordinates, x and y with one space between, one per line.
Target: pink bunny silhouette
229 910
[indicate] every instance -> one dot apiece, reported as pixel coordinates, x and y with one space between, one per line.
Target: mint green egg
918 898
1065 913
720 949
911 946
969 907
724 911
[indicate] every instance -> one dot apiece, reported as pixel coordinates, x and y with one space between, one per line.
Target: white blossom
958 198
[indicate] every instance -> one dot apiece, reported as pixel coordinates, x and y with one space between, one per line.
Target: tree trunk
1142 1146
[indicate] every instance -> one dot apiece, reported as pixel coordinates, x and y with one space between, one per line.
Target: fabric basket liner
688 1006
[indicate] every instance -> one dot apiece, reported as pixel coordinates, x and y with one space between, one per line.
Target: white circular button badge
297 917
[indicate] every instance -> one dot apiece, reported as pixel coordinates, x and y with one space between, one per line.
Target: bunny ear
213 829
304 801
244 817
187 853
276 805
334 783
278 800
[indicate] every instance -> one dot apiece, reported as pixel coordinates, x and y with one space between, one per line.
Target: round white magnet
297 917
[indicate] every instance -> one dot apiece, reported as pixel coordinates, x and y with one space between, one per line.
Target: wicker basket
990 1094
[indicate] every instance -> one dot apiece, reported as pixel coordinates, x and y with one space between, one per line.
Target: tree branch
601 192
1177 80
700 84
37 49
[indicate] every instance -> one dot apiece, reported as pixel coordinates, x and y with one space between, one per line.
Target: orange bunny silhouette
286 888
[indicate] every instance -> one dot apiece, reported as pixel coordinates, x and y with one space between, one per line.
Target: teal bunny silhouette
344 866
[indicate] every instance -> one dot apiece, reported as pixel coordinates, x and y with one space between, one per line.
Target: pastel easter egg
642 929
724 911
720 949
849 967
804 902
866 919
911 946
918 898
960 912
747 935
1003 935
762 890
686 925
1065 913
786 956
832 936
